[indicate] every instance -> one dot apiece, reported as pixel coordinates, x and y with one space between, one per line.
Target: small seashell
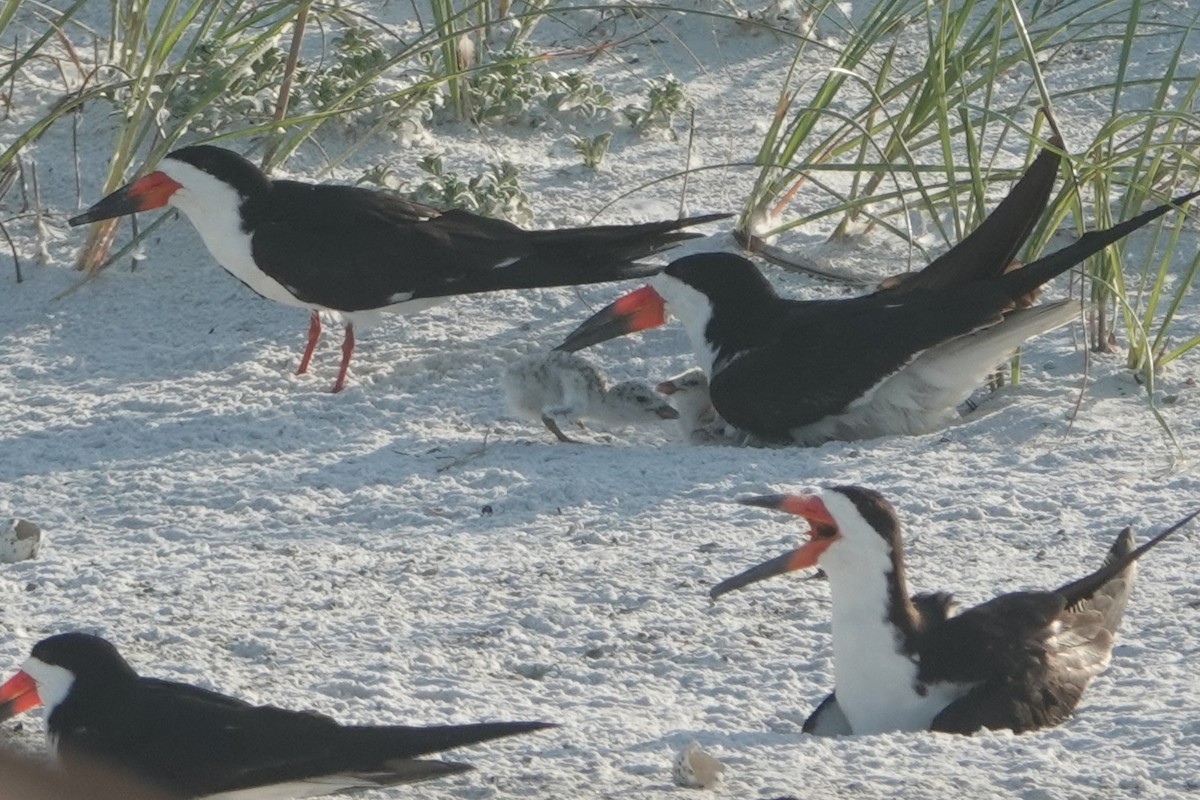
20 540
696 769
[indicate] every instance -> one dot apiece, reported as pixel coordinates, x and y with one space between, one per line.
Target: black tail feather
403 741
1085 587
991 247
580 256
1022 281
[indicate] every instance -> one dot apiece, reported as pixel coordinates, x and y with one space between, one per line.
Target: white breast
876 684
875 681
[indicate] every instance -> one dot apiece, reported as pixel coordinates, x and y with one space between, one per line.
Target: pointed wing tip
1158 538
413 770
1116 561
700 219
1124 542
539 725
718 590
1185 198
504 729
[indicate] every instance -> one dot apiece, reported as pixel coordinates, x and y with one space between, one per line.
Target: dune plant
154 46
884 134
592 148
22 56
495 193
477 34
665 98
8 177
220 71
1143 153
1141 287
874 129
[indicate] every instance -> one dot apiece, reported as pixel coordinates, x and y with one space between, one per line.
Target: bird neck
874 599
873 620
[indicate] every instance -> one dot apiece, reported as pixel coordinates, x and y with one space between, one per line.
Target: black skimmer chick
191 742
698 421
559 387
1020 661
898 361
352 252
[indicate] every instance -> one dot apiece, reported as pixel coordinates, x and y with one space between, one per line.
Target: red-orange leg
347 349
314 333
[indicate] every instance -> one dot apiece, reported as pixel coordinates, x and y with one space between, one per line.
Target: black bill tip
118 204
767 569
772 501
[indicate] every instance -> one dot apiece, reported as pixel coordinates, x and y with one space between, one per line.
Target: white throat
694 310
213 208
53 685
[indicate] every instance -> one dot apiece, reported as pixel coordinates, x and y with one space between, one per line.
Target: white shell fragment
19 541
696 769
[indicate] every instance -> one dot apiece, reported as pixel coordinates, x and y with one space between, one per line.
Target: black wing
193 742
823 355
1029 673
351 248
1007 648
991 247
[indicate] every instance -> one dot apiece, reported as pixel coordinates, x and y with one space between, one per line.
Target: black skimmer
699 422
353 253
191 742
898 361
1019 661
559 387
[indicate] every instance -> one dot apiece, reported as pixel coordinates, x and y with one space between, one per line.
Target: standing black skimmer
559 387
353 252
1020 661
191 742
898 361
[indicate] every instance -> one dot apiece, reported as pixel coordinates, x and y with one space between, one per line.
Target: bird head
54 667
852 531
190 178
